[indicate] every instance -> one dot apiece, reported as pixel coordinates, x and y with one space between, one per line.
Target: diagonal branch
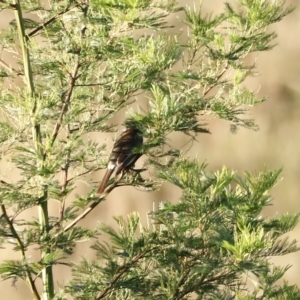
217 79
9 68
22 249
122 271
74 77
94 204
46 23
91 207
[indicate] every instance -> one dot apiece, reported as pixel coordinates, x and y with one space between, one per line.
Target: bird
122 158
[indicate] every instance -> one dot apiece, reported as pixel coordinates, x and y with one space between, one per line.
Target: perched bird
121 158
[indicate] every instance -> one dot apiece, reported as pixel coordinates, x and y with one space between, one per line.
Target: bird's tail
104 182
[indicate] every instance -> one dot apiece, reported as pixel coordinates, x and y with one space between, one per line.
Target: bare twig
91 207
99 198
23 254
68 8
74 77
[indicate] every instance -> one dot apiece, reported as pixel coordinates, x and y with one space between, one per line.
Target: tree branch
68 8
65 170
91 207
30 281
94 204
122 271
217 79
74 77
9 68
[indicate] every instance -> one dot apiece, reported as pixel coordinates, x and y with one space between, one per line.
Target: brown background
275 145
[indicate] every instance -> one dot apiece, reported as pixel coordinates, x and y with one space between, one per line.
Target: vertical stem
24 45
47 272
47 275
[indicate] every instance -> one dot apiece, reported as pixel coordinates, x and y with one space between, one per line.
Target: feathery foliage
81 63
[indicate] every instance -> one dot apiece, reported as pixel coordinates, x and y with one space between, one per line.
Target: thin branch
216 278
11 5
182 281
81 216
74 77
122 271
23 254
9 68
65 170
45 24
100 198
217 79
91 207
90 84
64 185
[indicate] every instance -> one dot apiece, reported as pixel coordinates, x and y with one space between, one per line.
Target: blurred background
275 145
